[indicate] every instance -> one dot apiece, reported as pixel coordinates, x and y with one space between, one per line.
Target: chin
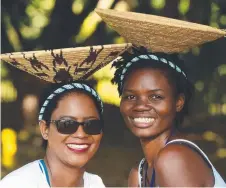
78 162
142 133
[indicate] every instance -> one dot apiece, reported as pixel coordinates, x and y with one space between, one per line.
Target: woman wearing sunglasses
71 125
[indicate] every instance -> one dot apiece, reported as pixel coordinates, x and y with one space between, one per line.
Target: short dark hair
179 81
52 104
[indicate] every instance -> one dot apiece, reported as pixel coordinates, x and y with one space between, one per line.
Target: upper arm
179 165
133 177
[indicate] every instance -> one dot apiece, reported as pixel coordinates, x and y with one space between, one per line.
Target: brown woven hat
62 65
160 34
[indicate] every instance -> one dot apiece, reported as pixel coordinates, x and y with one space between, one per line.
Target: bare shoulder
133 180
180 165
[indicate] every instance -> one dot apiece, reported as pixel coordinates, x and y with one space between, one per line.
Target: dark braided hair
173 69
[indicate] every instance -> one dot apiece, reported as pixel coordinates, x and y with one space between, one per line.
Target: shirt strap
140 170
44 170
189 143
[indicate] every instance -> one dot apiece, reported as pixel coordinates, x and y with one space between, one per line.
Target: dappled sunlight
217 109
105 73
221 153
223 109
184 6
88 27
78 6
8 92
199 85
38 13
90 23
108 92
119 40
11 33
215 99
122 6
158 4
214 137
223 19
214 16
23 135
30 32
9 147
46 5
4 70
214 109
222 70
209 136
39 21
33 25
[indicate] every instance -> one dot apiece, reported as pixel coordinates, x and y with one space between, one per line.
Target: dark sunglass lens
67 126
93 127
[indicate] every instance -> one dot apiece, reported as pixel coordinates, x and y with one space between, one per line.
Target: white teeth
76 146
143 120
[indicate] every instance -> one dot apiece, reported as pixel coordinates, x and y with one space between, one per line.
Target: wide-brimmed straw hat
159 34
62 65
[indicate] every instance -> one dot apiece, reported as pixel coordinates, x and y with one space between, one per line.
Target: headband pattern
66 88
152 57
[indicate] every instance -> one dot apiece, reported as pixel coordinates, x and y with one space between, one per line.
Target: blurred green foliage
45 24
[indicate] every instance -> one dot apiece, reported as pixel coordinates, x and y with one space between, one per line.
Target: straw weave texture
160 34
62 65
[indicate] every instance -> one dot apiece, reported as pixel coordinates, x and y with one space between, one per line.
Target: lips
142 122
78 148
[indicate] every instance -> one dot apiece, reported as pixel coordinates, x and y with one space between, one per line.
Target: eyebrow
75 118
153 90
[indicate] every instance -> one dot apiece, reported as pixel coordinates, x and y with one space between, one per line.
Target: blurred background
46 24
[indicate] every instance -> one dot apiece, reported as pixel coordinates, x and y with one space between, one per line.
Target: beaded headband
152 57
66 88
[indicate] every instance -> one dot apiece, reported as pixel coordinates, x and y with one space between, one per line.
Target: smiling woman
71 125
156 94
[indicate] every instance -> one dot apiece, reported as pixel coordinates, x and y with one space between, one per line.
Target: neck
152 146
61 174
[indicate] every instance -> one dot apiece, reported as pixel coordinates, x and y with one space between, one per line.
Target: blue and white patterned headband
152 57
66 88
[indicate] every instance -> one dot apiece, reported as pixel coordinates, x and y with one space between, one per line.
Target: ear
44 129
180 102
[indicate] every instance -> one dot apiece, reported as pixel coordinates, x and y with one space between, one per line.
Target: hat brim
159 34
64 65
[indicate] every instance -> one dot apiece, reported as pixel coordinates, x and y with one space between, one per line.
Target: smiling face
78 148
149 103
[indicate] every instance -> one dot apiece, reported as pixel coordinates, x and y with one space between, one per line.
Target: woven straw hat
160 34
65 64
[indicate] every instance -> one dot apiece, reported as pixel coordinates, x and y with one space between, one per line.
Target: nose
142 105
80 133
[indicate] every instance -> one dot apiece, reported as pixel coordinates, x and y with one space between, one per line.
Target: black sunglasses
68 126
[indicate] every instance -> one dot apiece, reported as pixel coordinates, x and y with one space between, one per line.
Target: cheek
54 136
124 108
97 138
166 109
